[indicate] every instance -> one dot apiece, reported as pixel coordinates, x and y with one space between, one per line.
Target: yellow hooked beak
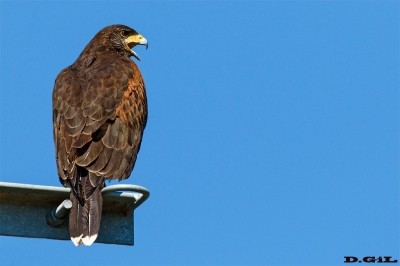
133 40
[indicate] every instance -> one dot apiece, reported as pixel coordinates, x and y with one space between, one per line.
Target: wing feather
76 120
99 123
90 154
111 136
81 141
101 161
112 165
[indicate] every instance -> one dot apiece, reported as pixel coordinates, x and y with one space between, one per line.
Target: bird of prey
99 115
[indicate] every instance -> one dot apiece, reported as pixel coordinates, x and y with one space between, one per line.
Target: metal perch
28 210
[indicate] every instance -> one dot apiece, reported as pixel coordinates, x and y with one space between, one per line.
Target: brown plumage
99 115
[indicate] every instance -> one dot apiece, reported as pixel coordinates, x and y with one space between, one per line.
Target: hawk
99 115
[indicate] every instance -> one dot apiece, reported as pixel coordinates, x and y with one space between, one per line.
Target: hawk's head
121 39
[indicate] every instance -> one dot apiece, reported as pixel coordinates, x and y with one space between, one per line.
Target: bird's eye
124 33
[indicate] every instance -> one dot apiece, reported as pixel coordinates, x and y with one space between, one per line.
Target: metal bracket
30 211
57 215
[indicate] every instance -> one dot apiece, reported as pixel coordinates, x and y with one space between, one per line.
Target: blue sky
273 131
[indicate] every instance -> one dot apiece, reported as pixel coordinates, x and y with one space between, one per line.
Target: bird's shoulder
108 66
67 92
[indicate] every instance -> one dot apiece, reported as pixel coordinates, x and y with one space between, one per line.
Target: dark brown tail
85 214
